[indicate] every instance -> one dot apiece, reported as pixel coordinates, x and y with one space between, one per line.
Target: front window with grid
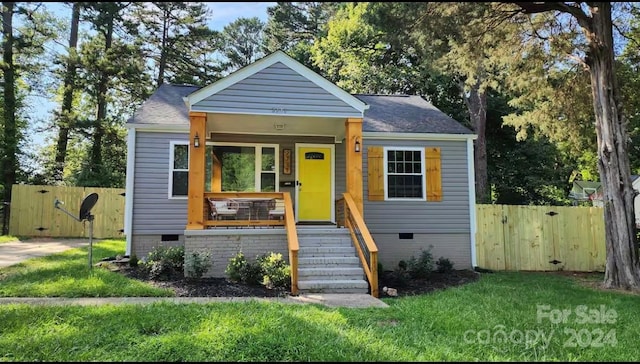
404 173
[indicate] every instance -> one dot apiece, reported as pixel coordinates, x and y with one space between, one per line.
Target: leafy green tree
242 42
596 45
65 118
114 83
178 41
22 72
293 27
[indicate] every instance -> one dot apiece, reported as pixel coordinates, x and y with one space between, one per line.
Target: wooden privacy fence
540 238
33 213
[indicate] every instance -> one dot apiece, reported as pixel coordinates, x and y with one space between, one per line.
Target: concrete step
333 274
326 251
333 262
320 241
337 286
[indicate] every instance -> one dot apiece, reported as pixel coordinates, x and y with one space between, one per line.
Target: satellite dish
85 214
86 206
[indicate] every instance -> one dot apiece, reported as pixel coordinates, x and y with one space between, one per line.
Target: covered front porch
241 180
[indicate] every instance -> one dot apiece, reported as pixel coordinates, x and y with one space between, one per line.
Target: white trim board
416 136
128 194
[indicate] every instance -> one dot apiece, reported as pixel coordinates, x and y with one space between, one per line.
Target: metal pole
90 218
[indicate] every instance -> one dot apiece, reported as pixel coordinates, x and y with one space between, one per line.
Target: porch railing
241 221
292 240
361 238
288 221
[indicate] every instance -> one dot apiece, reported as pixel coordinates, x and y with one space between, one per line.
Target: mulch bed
222 287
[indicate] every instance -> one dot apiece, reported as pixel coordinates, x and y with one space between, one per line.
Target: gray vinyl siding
451 215
153 211
276 87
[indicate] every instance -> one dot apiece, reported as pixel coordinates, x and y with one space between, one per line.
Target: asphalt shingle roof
165 106
386 113
407 114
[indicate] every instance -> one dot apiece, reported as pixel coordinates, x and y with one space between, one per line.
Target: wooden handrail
370 268
292 239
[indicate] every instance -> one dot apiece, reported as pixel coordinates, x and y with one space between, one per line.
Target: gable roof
265 62
407 114
588 184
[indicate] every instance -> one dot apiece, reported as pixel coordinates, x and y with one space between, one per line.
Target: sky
223 13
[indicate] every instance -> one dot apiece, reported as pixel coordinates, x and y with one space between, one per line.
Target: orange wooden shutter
434 174
375 173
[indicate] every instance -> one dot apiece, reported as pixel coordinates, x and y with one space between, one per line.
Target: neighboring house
592 191
587 191
635 183
398 166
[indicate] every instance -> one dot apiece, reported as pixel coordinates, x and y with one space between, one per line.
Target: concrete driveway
17 251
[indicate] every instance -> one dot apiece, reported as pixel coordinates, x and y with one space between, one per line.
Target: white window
404 173
178 169
244 167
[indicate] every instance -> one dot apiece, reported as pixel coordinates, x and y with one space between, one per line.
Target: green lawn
67 275
7 238
461 324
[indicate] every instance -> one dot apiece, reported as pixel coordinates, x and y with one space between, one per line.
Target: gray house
276 158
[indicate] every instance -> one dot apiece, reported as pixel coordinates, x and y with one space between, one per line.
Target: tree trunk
10 137
163 49
65 117
477 105
622 269
96 149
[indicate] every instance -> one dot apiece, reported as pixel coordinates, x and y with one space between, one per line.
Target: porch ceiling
276 125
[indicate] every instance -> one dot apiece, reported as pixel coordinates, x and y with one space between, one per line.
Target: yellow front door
314 183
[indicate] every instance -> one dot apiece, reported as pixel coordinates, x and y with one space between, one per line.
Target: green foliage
242 43
268 269
443 326
164 262
421 266
276 273
240 269
197 264
523 172
444 265
133 260
66 275
235 267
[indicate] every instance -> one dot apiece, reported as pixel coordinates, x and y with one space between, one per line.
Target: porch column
195 202
354 160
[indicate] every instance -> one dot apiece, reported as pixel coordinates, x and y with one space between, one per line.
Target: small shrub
197 264
163 262
380 268
240 269
133 261
235 267
420 267
276 273
398 277
444 265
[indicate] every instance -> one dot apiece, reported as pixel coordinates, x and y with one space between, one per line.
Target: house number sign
278 110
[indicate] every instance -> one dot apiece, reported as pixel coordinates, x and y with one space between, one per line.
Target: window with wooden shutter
400 176
375 173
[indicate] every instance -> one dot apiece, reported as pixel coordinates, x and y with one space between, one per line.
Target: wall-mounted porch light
357 147
196 141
